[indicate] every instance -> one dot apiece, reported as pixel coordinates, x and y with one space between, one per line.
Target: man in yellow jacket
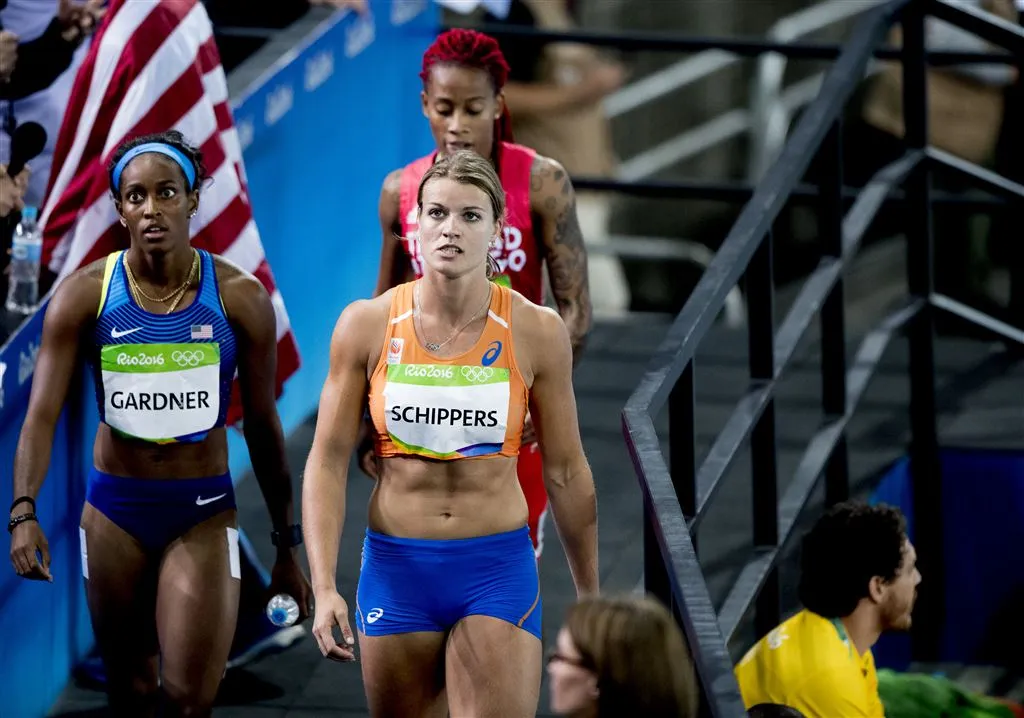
858 579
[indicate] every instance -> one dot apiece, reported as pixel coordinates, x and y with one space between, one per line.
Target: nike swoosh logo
117 335
200 501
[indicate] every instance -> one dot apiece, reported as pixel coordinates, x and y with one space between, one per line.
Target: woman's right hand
27 540
331 611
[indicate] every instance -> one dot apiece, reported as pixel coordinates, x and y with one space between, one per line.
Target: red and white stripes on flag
154 66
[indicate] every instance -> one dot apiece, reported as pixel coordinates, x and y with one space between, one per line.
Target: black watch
291 536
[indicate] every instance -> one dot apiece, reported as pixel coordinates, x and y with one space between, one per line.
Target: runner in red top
463 75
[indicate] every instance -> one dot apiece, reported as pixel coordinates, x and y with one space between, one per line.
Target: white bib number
160 392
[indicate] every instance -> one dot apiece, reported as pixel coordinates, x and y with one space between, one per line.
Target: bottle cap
30 213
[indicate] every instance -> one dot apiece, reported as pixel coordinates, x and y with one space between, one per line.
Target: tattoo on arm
564 249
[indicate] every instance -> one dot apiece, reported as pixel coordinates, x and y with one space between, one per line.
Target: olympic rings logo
189 357
477 374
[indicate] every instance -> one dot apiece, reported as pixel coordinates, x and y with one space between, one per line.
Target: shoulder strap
108 273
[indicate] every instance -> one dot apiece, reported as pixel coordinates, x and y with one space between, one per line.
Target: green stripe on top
157 358
422 450
442 375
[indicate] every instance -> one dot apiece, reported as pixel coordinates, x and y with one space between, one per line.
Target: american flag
202 331
154 66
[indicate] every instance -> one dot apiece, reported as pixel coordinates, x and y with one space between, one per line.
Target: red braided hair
470 48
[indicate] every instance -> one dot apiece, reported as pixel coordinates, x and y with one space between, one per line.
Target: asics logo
477 374
200 501
374 615
118 334
491 355
189 357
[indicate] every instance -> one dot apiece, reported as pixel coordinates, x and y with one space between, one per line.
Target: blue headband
160 148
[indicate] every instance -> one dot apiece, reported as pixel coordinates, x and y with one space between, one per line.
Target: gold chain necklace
432 346
177 295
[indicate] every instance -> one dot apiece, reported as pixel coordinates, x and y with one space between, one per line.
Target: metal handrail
675 499
682 575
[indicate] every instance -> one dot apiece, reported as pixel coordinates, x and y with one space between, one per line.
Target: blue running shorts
412 585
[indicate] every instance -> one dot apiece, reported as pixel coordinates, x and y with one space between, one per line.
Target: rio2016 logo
124 359
491 355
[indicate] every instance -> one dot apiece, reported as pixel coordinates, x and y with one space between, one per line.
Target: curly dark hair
171 137
848 546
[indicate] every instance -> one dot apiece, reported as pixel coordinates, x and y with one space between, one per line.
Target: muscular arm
69 312
567 474
337 429
554 201
393 269
252 316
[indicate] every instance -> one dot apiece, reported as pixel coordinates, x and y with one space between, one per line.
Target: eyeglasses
553 655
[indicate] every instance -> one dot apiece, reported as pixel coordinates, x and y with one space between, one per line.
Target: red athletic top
520 256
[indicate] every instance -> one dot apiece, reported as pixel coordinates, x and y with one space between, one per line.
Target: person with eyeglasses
164 327
621 657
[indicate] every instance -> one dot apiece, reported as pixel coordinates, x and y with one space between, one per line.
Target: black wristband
291 536
21 518
21 500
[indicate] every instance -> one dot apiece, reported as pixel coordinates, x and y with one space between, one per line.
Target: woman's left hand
287 577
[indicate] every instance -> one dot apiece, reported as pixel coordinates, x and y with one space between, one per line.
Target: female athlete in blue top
164 327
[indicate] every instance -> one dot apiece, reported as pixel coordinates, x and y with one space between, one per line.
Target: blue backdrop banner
982 506
320 131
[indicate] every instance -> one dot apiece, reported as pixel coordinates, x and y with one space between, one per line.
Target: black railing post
763 459
926 478
833 314
656 581
682 456
682 439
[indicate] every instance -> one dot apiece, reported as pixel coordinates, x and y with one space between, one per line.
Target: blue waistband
158 489
157 511
488 543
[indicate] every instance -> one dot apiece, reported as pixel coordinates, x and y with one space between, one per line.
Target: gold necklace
432 346
177 295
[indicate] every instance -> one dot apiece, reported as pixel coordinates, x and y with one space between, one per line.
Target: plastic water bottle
26 253
282 610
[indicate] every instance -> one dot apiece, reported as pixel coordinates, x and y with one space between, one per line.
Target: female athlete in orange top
448 602
464 80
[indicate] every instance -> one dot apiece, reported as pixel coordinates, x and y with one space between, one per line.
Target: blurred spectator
12 200
965 110
621 657
48 35
26 67
858 579
555 94
965 102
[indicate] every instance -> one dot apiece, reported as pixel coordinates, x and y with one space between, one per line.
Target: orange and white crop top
464 407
